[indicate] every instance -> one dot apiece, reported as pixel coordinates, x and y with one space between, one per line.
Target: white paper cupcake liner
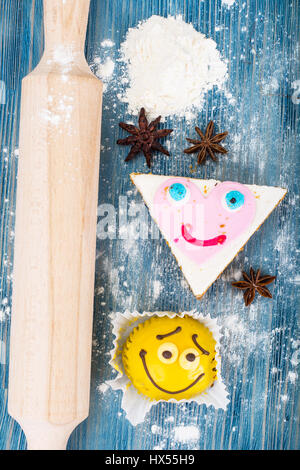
137 405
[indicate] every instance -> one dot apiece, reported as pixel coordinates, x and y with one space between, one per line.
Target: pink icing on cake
202 225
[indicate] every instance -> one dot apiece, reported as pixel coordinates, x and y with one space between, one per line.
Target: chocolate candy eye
234 200
167 353
178 192
189 359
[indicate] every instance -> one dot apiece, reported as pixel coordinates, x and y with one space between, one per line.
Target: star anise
144 138
208 145
254 283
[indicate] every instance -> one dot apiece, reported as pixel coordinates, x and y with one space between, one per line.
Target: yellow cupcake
170 358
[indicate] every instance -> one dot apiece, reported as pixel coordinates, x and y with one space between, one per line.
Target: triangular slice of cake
205 222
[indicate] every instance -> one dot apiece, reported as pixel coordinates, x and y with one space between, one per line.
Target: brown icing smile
142 356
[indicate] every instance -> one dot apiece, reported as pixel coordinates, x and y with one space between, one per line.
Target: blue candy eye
234 200
177 192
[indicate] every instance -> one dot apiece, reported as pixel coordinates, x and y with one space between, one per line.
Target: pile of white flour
170 67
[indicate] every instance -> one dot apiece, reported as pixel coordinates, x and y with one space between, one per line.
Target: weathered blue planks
259 348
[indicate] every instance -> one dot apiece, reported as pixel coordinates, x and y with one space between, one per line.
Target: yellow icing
174 362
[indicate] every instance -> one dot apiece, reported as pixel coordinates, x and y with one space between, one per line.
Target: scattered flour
292 376
103 66
63 55
240 336
170 67
228 3
170 419
105 69
237 275
186 434
157 286
52 118
107 43
4 310
102 388
269 87
161 446
156 429
184 284
295 358
99 290
2 352
59 112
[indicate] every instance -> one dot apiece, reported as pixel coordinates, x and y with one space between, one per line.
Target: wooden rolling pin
55 235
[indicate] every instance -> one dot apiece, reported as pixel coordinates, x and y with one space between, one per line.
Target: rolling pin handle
65 24
45 436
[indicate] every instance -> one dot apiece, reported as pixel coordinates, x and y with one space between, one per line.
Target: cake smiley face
170 358
199 224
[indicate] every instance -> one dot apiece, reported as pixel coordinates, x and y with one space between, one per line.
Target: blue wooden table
260 109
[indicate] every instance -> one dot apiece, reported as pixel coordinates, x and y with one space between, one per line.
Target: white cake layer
201 277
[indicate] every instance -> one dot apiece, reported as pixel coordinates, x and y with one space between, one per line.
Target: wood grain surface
259 108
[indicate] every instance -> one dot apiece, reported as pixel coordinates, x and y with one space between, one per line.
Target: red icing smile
203 224
219 240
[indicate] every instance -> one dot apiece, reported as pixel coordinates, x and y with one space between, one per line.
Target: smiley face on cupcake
170 358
